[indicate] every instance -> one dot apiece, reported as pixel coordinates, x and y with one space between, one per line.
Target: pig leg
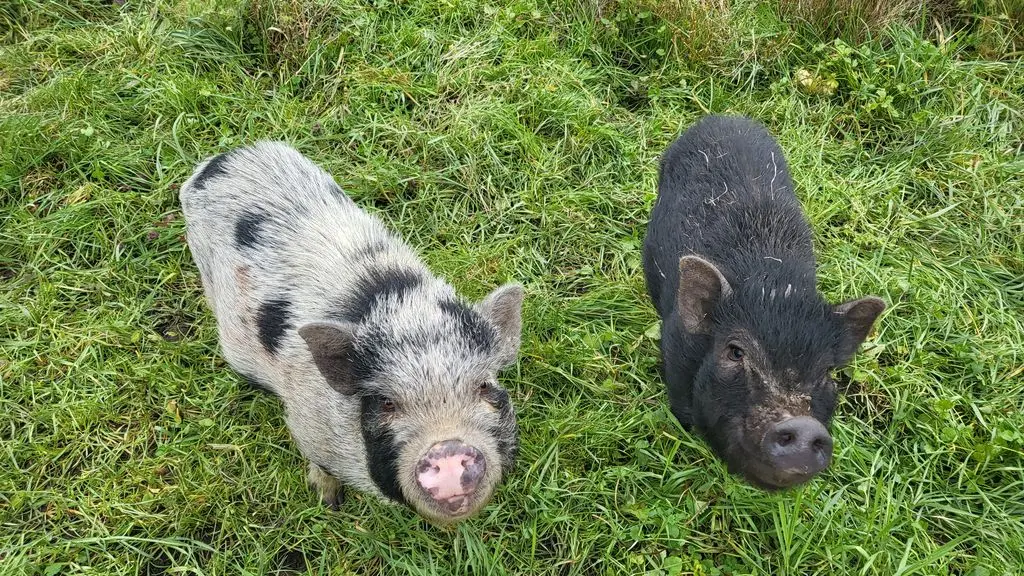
329 487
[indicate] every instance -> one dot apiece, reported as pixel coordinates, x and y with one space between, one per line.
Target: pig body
387 377
747 342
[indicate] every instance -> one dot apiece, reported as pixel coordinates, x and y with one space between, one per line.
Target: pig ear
503 308
857 317
701 287
331 345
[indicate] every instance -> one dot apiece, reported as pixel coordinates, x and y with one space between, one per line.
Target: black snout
799 447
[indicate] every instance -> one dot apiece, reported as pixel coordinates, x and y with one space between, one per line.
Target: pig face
763 394
439 432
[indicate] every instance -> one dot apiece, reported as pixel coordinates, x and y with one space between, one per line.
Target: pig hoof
331 493
333 502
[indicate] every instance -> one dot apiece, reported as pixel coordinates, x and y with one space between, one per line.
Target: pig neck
682 354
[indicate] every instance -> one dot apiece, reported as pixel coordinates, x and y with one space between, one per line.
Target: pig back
725 194
277 242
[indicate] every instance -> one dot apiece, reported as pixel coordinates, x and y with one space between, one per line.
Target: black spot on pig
367 356
499 399
247 229
215 168
371 251
372 289
470 325
508 445
381 449
272 319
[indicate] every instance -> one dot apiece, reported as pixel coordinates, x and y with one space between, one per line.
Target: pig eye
484 386
735 353
387 404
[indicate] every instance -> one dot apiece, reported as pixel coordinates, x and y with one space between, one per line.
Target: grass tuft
853 21
994 29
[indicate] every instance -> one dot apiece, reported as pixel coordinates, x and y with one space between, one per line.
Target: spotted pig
388 378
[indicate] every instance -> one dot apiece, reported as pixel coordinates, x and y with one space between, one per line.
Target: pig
748 344
387 376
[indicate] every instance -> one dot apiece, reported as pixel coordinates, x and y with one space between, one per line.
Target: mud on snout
775 449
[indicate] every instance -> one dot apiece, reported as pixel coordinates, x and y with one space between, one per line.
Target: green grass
506 140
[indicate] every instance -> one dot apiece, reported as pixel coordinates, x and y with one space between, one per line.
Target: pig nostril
800 446
785 438
449 472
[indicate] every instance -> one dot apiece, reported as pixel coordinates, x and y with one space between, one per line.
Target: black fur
272 319
371 250
381 448
471 326
373 288
377 286
716 199
498 398
367 359
247 229
725 194
508 448
216 167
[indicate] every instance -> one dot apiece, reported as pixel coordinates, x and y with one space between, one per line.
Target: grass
515 139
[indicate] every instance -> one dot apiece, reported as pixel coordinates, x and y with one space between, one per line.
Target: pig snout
798 448
450 472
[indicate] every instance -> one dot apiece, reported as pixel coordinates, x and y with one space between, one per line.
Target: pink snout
449 472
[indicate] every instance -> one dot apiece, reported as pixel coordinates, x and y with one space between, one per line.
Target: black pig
747 342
